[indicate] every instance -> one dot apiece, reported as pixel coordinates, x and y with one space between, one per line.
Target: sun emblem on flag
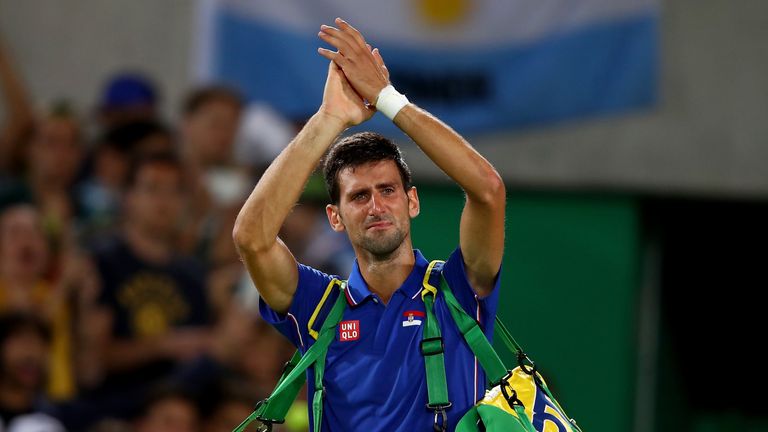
444 12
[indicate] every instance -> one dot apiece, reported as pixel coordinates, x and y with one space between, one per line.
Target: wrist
331 120
389 101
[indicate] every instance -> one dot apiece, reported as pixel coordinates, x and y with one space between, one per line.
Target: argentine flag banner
479 65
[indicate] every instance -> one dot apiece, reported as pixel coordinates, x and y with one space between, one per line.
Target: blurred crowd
123 303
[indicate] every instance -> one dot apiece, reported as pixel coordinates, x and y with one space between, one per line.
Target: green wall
570 282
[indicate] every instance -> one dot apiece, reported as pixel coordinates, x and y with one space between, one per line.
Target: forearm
452 154
19 116
18 106
120 355
278 190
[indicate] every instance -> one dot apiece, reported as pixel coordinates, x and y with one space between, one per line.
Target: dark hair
204 95
359 149
14 323
141 161
168 390
126 137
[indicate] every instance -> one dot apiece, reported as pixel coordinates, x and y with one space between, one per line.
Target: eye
359 197
389 190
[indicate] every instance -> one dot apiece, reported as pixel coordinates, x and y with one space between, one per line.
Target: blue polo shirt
375 378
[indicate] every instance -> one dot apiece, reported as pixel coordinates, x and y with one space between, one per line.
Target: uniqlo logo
349 331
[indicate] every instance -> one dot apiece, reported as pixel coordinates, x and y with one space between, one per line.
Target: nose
376 206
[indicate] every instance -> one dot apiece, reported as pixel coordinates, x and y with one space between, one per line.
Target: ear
334 218
413 202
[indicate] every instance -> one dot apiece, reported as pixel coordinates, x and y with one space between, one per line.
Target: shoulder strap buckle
440 423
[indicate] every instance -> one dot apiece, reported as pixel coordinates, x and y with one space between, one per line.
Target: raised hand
341 101
363 67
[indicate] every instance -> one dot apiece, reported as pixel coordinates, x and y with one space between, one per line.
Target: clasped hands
356 74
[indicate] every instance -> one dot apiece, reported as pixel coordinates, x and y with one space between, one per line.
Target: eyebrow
385 185
377 186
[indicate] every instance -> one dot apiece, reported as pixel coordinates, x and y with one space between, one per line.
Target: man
153 298
169 410
24 346
375 378
210 119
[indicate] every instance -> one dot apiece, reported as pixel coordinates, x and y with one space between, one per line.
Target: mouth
379 225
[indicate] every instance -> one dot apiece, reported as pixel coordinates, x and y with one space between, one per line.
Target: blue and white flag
480 65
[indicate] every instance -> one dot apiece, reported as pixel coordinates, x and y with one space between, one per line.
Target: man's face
374 208
210 131
55 150
24 360
23 248
155 199
170 415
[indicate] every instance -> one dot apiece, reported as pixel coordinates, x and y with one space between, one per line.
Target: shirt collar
357 288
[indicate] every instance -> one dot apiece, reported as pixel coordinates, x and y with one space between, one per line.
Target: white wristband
390 102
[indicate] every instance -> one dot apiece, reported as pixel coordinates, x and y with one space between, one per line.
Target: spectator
54 155
24 255
210 119
169 410
127 97
99 193
228 405
24 347
152 296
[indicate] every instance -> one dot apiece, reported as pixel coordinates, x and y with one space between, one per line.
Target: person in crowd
25 342
99 193
209 123
153 297
127 97
169 409
227 404
24 287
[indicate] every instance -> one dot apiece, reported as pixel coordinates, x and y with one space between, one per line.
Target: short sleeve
294 323
482 309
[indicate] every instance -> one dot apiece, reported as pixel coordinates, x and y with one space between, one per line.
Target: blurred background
630 133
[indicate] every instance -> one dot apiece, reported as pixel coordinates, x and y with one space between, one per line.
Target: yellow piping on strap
319 306
427 287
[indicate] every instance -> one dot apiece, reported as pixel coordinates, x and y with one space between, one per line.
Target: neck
385 274
148 246
42 186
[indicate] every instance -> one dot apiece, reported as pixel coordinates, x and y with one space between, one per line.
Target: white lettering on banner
349 331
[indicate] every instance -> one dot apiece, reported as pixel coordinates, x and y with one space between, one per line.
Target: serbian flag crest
412 318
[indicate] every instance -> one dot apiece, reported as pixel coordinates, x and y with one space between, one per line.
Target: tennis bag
518 400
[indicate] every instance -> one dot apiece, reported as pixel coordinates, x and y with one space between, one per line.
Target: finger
334 34
380 62
338 42
347 28
330 55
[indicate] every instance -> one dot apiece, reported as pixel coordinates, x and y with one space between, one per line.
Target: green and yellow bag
518 400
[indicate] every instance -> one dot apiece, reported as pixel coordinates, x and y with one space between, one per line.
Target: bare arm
269 262
19 110
482 221
120 354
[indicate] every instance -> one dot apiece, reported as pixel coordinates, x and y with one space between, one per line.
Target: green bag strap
432 349
274 408
470 330
486 355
